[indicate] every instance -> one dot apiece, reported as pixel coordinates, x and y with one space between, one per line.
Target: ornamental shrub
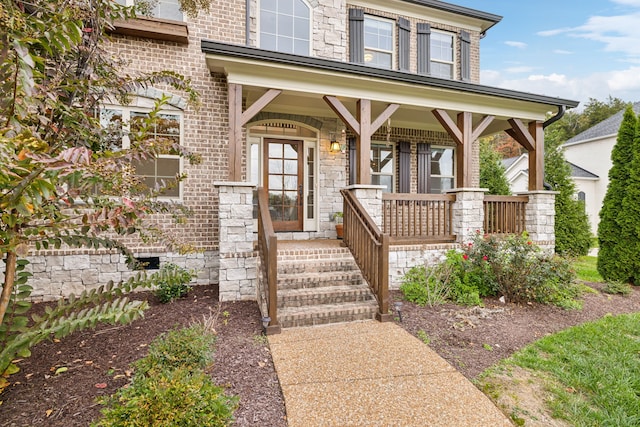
172 282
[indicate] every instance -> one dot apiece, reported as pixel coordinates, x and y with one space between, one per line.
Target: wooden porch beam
486 121
383 117
536 157
257 106
449 125
363 141
520 133
237 119
342 112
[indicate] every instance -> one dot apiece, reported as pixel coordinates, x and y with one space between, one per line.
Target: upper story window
161 171
164 9
442 59
285 26
378 42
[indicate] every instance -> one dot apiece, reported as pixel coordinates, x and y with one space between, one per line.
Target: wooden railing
268 253
418 218
370 249
504 214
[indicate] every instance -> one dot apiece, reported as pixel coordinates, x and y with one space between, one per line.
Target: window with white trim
442 169
158 172
442 54
163 9
285 26
382 166
378 42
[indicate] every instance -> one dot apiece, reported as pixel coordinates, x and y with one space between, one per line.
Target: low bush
177 397
512 267
172 282
190 348
170 386
421 286
614 288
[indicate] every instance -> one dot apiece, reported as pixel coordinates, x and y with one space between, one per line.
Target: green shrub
423 286
614 288
512 267
177 397
191 348
172 282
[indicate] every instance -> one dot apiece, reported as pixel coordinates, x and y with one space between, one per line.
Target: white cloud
521 69
623 84
555 32
519 45
562 52
635 3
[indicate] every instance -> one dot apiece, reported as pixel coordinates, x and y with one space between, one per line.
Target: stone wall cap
529 193
365 187
466 190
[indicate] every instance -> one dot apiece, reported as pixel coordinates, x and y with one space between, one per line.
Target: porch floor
373 374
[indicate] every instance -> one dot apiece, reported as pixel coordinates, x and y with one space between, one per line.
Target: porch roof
304 80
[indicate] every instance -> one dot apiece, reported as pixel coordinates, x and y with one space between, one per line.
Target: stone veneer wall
58 275
403 258
540 218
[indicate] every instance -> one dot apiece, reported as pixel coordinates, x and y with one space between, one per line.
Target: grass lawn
586 269
590 374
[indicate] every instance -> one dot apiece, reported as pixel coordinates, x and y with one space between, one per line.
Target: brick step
319 280
319 266
291 317
323 295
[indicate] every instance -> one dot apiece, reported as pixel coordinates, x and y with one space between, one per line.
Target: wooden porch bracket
464 135
532 139
237 119
363 127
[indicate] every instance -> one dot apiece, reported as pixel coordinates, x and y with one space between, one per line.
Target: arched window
582 197
285 26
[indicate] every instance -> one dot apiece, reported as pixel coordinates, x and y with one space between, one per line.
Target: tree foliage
65 179
492 173
618 235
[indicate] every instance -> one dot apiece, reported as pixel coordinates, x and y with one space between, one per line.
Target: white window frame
391 147
310 33
126 142
453 162
376 49
441 61
132 3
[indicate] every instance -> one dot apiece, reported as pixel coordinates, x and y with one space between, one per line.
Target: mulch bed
471 339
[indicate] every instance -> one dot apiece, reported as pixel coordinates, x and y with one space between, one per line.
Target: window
285 26
442 171
156 172
441 55
378 42
164 9
382 169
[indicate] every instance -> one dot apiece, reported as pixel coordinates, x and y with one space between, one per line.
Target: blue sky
575 49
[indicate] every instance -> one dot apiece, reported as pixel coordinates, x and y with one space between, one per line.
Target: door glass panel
290 151
275 182
283 177
291 167
311 183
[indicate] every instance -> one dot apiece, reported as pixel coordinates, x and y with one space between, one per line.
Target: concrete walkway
373 374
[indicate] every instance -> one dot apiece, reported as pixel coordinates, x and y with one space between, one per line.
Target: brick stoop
319 285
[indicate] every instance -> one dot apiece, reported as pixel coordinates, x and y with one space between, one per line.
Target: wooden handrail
268 253
504 214
370 248
418 218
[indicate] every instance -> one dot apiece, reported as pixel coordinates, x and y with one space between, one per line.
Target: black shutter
404 167
404 44
356 36
424 168
424 48
465 56
353 160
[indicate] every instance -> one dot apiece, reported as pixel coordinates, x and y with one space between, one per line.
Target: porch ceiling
305 80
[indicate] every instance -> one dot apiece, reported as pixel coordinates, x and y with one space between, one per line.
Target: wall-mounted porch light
334 146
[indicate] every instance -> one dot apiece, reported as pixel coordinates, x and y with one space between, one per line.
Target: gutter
551 120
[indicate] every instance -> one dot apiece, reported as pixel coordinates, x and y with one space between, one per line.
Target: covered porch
287 114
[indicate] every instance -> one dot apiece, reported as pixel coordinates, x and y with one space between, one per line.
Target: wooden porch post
363 127
237 119
464 135
532 139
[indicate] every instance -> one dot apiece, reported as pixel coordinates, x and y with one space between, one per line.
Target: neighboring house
305 98
591 152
